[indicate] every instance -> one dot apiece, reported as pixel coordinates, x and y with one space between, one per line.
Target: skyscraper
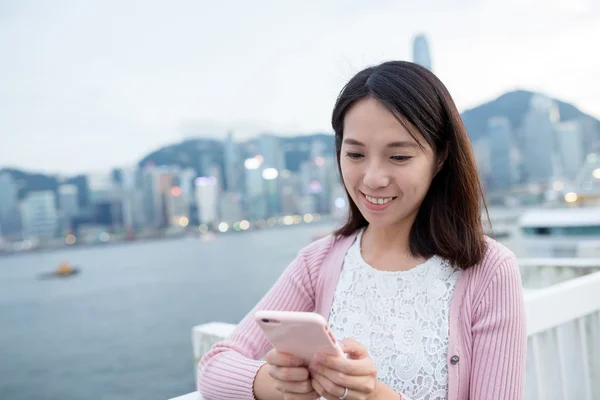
9 216
39 215
570 147
540 139
421 54
232 172
502 166
68 205
207 191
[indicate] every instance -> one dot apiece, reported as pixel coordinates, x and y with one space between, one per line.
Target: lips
379 200
377 203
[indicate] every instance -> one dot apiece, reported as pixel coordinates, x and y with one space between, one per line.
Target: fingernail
296 361
319 358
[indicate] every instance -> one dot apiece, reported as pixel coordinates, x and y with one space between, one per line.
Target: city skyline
113 81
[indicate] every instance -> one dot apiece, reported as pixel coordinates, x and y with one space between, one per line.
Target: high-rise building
421 53
502 166
68 204
255 200
230 207
570 147
39 215
207 191
132 194
10 224
232 170
539 137
157 185
270 149
177 207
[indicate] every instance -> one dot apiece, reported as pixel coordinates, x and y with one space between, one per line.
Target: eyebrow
354 142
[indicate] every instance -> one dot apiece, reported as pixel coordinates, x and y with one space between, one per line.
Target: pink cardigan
487 339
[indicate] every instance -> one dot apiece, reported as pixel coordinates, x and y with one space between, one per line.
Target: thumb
354 349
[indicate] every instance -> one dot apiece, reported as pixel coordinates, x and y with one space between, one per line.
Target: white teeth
379 201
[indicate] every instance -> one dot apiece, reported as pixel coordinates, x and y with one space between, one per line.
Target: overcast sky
87 85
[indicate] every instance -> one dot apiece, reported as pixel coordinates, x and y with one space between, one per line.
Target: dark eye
354 156
400 158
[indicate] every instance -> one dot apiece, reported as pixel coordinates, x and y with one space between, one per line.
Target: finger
328 386
287 387
293 374
275 357
304 396
361 384
349 367
354 349
321 390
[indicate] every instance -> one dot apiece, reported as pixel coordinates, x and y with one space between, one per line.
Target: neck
394 238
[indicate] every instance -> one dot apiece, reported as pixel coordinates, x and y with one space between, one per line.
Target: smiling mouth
378 200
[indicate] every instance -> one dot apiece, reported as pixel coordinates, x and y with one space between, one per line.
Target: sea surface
122 328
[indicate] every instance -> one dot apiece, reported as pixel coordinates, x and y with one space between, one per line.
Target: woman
427 306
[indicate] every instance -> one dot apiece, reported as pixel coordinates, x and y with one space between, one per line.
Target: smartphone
302 334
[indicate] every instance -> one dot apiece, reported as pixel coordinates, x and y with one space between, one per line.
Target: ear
441 159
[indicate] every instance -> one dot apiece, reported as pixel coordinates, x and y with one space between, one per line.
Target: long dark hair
448 223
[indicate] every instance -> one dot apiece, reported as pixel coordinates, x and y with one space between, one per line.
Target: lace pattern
401 317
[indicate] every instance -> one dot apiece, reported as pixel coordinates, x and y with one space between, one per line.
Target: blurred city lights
223 227
571 197
70 239
176 191
308 218
205 181
340 202
244 225
270 174
254 162
184 221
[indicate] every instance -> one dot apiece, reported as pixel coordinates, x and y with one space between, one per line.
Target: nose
376 177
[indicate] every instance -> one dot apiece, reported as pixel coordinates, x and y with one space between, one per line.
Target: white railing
563 329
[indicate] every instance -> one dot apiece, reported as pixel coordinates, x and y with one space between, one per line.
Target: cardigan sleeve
228 370
500 337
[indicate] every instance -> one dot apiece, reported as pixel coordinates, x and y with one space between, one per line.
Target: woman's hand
332 375
291 377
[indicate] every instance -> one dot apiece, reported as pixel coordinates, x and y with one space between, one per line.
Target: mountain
514 105
201 153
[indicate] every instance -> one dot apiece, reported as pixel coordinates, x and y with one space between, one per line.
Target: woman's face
385 171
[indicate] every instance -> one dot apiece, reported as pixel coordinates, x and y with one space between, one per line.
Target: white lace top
401 317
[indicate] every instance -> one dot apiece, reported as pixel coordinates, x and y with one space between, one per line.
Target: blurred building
68 204
156 185
570 147
39 216
232 168
106 200
421 53
540 140
255 199
134 218
207 191
502 172
230 207
10 224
